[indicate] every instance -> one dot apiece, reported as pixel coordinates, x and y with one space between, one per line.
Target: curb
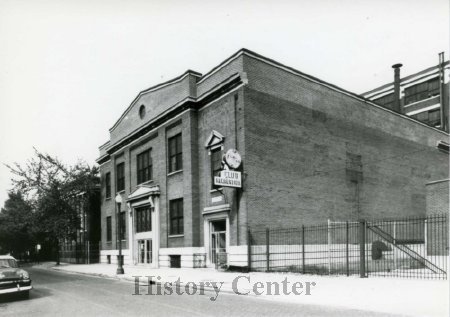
56 268
99 275
131 279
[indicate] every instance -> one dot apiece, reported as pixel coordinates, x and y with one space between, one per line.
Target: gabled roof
153 88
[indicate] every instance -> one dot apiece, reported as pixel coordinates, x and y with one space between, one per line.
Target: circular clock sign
233 158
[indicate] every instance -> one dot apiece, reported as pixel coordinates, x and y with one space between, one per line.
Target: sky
68 69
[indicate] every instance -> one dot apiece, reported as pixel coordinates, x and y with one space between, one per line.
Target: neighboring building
423 96
310 151
85 247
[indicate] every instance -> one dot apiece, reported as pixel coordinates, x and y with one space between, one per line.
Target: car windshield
8 263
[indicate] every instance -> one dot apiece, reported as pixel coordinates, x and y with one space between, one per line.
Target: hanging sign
229 179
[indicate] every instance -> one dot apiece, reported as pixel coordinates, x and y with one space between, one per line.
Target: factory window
434 117
431 117
386 101
422 91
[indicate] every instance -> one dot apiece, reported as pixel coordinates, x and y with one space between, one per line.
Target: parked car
12 278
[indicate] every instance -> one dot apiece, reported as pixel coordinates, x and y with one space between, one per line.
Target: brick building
423 95
310 151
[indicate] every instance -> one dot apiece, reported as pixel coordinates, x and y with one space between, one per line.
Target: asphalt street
62 294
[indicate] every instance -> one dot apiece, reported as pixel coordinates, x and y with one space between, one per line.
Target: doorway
218 249
145 251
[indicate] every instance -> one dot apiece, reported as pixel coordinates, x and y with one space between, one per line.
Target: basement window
175 261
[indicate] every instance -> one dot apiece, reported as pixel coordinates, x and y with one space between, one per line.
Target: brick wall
437 197
313 154
280 83
209 81
220 116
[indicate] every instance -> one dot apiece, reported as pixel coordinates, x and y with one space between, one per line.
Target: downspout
238 190
442 101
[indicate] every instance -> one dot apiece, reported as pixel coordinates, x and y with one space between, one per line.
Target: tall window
108 229
216 166
176 216
175 154
123 226
144 167
108 185
120 172
143 219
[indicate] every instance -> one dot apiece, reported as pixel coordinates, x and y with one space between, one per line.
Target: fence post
329 245
394 249
249 250
425 235
346 248
267 250
362 248
303 249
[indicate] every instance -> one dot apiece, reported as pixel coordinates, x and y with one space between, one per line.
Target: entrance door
145 251
218 241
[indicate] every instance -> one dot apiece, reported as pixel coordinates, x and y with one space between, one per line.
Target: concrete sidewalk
409 297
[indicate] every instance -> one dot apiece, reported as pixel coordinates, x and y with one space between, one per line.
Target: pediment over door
143 191
214 140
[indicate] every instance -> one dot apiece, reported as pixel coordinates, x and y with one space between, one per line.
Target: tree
38 176
15 223
53 190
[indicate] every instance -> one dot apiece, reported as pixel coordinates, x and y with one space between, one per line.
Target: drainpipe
397 106
442 99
